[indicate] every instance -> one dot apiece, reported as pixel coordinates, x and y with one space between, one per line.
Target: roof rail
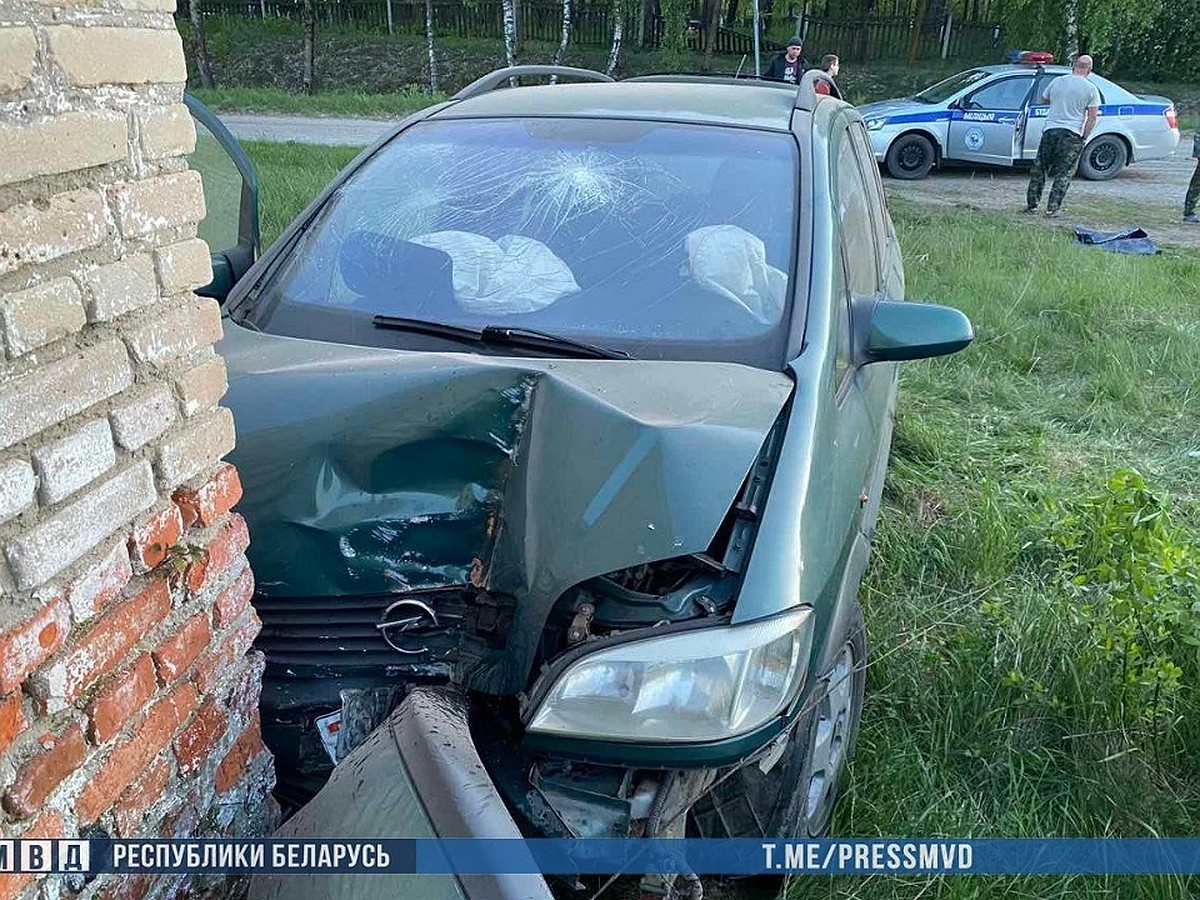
692 78
493 80
806 94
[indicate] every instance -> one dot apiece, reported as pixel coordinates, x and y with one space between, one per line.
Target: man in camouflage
1074 105
1193 191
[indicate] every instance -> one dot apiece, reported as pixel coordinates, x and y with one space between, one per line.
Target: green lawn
1031 672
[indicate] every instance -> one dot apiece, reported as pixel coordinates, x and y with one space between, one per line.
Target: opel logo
407 617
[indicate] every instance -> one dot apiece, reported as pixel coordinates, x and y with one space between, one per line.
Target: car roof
747 104
1005 68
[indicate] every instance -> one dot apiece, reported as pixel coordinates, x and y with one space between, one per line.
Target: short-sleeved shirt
1070 98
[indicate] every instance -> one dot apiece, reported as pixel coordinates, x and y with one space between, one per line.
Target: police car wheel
910 157
1103 158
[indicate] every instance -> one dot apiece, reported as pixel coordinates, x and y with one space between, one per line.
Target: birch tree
614 52
308 61
566 33
203 63
433 78
510 32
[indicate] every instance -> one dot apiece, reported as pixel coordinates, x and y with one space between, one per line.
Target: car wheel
910 157
1103 158
795 797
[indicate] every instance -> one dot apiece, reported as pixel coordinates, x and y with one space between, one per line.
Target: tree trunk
1072 29
308 62
914 42
731 13
614 53
712 23
203 64
510 32
433 79
566 33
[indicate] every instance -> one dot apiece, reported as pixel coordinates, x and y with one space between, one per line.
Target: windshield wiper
543 340
500 334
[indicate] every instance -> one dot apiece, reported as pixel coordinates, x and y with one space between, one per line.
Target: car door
983 123
1033 118
230 225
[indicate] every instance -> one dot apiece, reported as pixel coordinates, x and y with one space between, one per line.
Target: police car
994 115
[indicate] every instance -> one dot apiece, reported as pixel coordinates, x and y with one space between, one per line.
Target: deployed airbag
512 275
732 262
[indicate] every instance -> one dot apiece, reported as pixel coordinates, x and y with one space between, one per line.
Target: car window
1043 85
1008 93
662 239
856 225
222 190
1111 92
944 90
841 321
870 169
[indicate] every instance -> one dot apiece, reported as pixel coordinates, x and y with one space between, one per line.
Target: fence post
947 26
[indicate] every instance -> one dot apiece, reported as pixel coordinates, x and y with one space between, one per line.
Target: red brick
220 659
181 649
230 542
12 720
92 591
28 645
133 754
153 537
234 599
205 505
47 826
130 809
102 649
204 732
45 770
123 697
248 745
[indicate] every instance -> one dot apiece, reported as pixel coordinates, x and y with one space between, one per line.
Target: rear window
944 90
664 240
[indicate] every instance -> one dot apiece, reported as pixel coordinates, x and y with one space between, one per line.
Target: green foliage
1132 579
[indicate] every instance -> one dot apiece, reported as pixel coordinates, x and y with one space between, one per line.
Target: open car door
230 224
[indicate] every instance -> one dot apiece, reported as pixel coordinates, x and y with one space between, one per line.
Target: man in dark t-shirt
789 65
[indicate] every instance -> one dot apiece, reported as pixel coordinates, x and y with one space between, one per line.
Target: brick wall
128 690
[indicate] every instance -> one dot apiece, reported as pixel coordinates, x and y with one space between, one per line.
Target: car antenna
738 73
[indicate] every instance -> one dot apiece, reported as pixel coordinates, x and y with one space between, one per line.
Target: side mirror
895 332
230 224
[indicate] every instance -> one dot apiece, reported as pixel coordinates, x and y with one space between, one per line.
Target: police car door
983 123
1034 117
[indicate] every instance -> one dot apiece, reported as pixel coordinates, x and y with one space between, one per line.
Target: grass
327 103
985 712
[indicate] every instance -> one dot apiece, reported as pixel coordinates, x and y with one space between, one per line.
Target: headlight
705 685
875 124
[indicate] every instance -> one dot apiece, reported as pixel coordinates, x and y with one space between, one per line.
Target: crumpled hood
371 471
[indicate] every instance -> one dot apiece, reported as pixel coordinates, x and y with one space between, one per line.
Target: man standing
829 65
789 65
1074 104
1193 191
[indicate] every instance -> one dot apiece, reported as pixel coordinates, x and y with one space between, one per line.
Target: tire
795 798
910 157
1103 158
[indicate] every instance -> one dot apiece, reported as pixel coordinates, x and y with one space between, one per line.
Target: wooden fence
890 38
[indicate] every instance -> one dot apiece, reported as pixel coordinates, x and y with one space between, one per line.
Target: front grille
307 636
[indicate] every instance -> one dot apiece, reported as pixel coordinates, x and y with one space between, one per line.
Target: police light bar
1035 58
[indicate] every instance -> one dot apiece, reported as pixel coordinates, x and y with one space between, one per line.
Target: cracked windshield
672 239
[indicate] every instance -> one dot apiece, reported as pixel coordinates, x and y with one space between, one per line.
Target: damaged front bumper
417 776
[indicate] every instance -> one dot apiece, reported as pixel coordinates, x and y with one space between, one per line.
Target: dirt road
1148 194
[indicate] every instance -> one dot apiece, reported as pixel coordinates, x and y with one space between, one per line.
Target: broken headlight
703 685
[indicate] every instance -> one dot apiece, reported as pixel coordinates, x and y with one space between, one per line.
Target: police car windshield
944 90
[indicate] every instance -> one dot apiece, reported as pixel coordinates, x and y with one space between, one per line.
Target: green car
563 416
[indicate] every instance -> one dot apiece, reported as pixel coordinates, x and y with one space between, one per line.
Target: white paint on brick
52 393
144 207
119 287
39 315
106 577
57 542
95 55
196 448
68 464
18 55
144 417
184 266
17 485
37 233
77 140
196 325
166 130
201 387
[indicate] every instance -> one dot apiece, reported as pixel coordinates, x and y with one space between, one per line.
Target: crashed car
994 115
563 415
